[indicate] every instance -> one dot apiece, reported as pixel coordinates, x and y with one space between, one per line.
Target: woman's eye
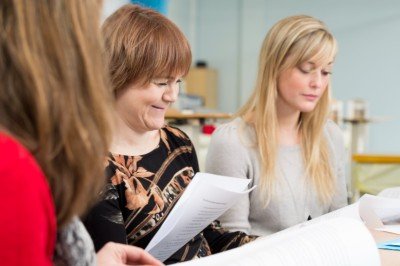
304 71
161 84
326 73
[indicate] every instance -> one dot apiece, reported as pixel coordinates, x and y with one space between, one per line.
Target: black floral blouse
142 190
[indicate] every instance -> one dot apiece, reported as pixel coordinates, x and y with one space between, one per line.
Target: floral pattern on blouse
141 192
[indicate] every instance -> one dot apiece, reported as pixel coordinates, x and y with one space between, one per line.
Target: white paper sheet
374 211
394 229
205 199
338 241
387 209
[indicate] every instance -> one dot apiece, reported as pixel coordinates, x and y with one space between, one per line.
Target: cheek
294 82
292 87
284 85
325 84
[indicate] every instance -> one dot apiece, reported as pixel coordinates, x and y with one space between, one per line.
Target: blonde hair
142 44
290 42
54 95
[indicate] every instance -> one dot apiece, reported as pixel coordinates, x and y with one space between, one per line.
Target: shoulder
17 165
174 132
332 127
235 133
335 139
229 152
175 140
11 152
333 132
176 135
228 128
16 160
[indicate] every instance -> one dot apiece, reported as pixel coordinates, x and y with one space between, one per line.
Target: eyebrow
313 63
168 78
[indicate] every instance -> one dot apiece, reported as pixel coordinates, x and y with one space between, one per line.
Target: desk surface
388 257
198 116
176 114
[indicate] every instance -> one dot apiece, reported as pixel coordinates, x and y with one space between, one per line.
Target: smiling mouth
159 108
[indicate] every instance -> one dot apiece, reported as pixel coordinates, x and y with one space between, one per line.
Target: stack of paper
338 241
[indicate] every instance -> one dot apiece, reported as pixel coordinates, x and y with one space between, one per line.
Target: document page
387 209
204 200
391 228
337 238
384 209
338 241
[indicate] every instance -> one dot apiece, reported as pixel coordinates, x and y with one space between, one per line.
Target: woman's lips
310 97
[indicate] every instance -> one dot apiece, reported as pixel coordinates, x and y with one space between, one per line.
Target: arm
221 240
228 156
104 222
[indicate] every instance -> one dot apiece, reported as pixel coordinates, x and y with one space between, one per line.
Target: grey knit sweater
232 154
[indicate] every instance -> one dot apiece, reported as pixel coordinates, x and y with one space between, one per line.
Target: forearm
104 224
220 240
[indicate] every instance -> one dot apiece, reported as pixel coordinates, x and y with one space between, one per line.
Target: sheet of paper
394 229
204 200
350 211
387 209
367 213
338 241
393 192
373 210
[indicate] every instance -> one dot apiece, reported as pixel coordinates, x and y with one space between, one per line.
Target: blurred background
226 36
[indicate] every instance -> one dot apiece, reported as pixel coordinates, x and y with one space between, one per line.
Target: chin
307 109
154 122
157 124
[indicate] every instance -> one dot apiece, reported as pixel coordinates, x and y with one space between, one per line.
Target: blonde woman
281 138
54 133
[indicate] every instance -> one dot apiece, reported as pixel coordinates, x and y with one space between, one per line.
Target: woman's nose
316 80
171 93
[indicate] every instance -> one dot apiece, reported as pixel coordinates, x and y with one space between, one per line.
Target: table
388 257
200 116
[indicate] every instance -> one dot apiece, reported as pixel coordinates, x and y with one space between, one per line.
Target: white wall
109 6
228 35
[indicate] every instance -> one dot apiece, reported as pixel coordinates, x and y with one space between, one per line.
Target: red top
28 219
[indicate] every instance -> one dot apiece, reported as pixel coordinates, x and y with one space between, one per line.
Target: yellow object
203 82
373 173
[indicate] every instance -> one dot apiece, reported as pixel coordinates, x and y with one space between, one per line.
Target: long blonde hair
53 94
290 42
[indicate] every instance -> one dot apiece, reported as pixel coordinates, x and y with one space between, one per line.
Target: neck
129 141
289 134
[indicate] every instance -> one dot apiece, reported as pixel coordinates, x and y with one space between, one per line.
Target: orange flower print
137 196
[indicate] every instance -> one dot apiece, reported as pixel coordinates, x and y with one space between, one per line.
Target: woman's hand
119 254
